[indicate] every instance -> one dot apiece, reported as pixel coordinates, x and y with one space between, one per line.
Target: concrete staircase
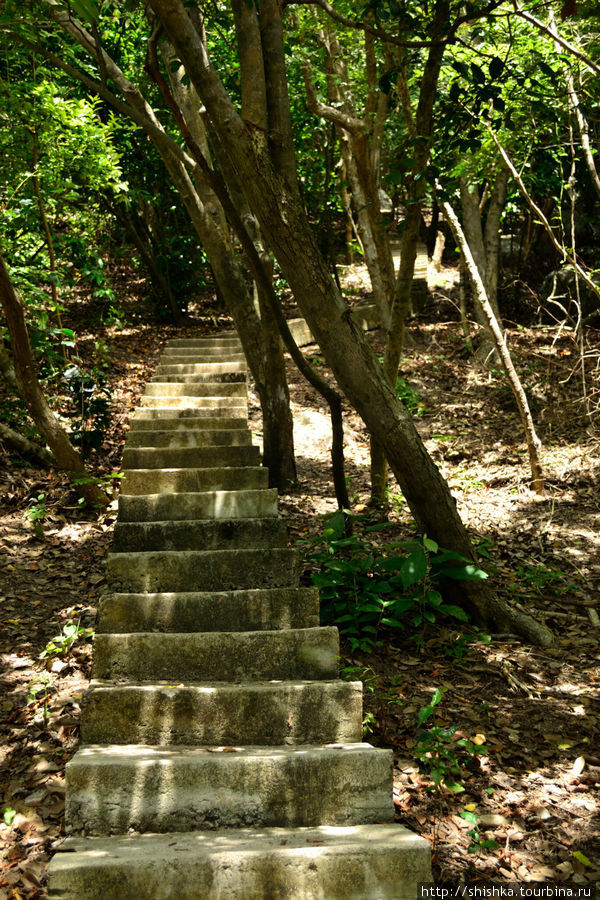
221 756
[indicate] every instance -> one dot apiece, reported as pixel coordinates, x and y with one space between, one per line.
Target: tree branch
545 29
337 116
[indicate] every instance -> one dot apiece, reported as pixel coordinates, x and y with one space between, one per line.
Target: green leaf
469 817
8 815
496 67
477 73
424 714
581 858
463 573
457 612
430 545
414 568
85 9
455 787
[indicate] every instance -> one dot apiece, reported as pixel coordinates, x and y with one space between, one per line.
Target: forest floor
528 809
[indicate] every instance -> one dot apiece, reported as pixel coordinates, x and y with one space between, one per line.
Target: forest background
178 165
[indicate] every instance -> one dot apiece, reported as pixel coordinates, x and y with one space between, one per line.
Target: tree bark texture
29 388
279 209
499 340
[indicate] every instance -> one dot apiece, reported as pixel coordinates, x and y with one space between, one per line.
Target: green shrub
365 588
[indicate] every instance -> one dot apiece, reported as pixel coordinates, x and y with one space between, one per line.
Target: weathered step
203 505
199 534
184 419
210 371
271 714
202 570
189 457
181 355
259 609
115 789
161 377
218 437
209 389
187 402
212 340
364 862
298 654
161 481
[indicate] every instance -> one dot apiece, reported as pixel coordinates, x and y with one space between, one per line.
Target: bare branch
566 45
337 116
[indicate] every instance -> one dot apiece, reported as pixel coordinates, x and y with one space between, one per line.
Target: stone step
211 371
298 654
259 609
200 355
199 534
213 340
163 377
210 389
215 406
192 457
202 570
116 789
161 481
206 504
184 419
361 862
271 714
218 437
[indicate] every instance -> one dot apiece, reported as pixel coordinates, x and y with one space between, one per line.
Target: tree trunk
48 425
499 341
26 448
279 209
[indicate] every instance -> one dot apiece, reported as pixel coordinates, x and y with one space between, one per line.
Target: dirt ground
528 810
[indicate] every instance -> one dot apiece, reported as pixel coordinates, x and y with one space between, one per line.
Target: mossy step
183 419
186 480
272 714
211 371
188 437
297 654
210 389
199 534
117 789
189 457
182 401
218 504
202 570
257 609
165 377
361 862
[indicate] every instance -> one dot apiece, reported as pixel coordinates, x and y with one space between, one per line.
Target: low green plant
8 815
364 588
476 843
90 412
375 698
439 753
538 579
36 512
40 688
61 644
462 644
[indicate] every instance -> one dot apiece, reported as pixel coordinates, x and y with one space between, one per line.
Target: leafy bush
365 588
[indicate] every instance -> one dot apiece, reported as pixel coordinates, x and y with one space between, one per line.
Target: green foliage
439 752
375 698
463 643
61 644
364 588
476 843
8 815
36 512
90 413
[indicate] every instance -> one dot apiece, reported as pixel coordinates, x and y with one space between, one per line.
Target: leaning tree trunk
275 200
499 341
29 387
